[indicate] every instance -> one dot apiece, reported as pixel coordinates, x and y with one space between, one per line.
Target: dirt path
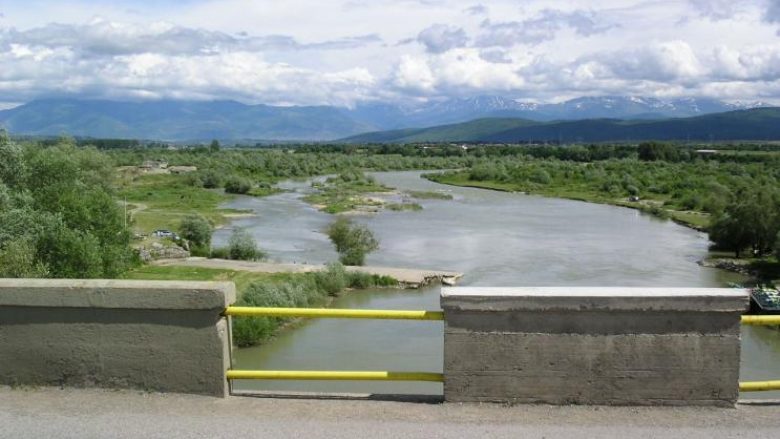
410 278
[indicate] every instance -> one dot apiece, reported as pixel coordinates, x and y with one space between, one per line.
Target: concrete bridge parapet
619 346
151 335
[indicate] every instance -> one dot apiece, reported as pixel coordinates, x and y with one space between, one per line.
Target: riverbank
761 271
698 221
406 277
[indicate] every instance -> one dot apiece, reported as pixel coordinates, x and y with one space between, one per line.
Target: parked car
163 233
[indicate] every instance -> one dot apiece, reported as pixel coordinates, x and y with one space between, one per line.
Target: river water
496 239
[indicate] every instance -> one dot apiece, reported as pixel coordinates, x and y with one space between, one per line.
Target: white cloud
441 38
313 52
542 27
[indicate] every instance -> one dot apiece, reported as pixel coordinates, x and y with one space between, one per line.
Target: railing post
623 346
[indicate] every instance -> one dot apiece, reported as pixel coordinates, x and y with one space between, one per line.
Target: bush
210 179
333 279
301 290
353 242
18 261
237 185
220 253
197 230
242 246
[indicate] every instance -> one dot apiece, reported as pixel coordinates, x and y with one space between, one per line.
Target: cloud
29 72
540 28
102 37
716 9
668 61
456 72
478 9
441 38
772 14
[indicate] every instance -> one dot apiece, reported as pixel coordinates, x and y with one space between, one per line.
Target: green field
161 201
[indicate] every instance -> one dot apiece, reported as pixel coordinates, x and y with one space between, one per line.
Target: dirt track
409 277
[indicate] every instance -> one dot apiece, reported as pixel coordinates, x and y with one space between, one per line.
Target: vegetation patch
429 195
398 207
347 192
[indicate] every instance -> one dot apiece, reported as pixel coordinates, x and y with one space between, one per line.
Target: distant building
706 151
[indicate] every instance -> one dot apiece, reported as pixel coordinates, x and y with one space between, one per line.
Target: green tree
653 151
752 221
197 231
12 166
58 216
353 242
19 259
214 146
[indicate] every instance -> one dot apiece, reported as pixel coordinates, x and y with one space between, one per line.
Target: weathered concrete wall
625 346
150 335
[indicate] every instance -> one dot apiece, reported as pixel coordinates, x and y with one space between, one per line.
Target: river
496 239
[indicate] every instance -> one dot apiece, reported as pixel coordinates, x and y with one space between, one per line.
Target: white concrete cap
124 294
594 298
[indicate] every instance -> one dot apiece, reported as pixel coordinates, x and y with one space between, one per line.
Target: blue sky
343 52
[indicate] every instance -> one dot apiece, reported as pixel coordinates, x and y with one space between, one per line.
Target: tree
652 151
197 230
214 146
353 242
58 215
242 246
752 221
777 245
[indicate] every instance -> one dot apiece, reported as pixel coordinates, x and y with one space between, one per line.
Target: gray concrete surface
150 335
622 346
94 413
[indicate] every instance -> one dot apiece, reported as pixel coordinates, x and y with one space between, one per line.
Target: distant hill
179 120
754 124
229 120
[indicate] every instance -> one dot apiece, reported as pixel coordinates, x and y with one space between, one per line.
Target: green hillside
754 124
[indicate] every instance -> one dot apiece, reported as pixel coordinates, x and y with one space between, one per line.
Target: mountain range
174 120
752 124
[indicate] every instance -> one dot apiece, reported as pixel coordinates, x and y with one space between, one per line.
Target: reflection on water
497 239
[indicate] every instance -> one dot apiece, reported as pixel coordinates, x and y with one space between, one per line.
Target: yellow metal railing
333 313
248 311
766 320
332 375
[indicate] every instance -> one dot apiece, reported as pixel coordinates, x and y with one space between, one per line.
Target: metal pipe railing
333 313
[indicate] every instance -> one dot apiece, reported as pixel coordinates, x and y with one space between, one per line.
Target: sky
347 52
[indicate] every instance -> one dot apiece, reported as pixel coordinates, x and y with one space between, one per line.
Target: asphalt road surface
79 413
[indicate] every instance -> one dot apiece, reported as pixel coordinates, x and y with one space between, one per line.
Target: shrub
333 279
242 246
197 230
353 242
210 179
18 260
220 253
237 185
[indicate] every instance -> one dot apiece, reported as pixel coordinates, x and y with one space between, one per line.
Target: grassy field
160 201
